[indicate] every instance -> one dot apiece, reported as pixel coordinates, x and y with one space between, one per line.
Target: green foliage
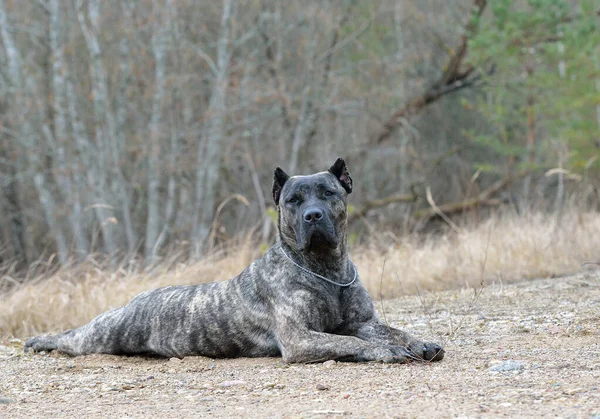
351 209
353 238
498 146
264 247
272 214
485 168
546 58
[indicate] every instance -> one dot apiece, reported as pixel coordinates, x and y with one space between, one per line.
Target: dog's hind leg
42 343
104 334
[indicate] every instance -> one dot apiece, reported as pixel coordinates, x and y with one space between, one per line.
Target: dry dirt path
550 327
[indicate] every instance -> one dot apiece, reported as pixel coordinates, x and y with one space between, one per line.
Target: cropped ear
340 171
278 181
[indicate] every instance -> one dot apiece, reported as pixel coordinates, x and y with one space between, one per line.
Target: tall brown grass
506 248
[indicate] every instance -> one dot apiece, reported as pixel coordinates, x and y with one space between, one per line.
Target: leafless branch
451 80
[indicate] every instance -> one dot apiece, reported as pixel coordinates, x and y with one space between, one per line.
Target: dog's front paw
386 354
41 343
428 351
392 355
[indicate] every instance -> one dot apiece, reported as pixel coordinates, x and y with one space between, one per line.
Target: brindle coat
272 308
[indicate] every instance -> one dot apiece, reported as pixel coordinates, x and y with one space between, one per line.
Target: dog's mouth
317 239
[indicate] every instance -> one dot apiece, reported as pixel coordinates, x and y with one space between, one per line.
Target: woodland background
140 129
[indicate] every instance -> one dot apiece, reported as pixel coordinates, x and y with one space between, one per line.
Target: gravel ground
523 350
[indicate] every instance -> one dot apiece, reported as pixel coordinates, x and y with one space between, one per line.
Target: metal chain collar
320 276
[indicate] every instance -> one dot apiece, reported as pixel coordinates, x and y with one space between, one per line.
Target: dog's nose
313 215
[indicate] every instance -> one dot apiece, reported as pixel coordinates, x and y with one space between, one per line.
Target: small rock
269 385
571 391
329 363
5 400
175 360
232 383
483 408
322 387
346 396
508 366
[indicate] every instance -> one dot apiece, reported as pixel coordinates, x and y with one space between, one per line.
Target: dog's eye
293 200
329 193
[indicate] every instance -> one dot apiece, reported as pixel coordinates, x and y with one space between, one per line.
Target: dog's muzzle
316 230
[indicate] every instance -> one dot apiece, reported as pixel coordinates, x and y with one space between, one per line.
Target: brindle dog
302 300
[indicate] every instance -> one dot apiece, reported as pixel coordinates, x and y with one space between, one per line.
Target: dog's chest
328 312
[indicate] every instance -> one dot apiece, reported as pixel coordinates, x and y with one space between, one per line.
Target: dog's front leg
375 331
304 346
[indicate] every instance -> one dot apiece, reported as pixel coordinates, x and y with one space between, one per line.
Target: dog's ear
278 181
340 171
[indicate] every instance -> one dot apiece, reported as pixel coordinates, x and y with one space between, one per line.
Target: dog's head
312 209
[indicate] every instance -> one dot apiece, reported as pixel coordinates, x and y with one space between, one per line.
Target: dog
303 300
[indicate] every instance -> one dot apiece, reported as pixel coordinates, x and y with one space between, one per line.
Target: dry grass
507 248
530 246
72 297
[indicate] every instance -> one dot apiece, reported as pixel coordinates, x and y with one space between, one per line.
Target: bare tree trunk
246 98
274 56
182 117
174 151
49 205
213 138
16 75
309 114
12 207
159 49
125 80
125 77
65 170
307 117
85 149
171 194
305 125
104 125
560 189
530 145
93 168
262 205
404 140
